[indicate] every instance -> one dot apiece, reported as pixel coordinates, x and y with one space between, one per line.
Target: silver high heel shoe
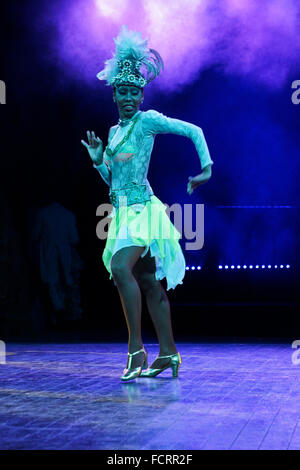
128 373
174 363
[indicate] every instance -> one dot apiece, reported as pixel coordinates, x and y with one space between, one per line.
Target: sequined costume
126 175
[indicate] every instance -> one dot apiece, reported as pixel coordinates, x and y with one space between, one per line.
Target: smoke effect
249 38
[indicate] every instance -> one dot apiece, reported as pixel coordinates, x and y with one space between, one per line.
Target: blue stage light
238 266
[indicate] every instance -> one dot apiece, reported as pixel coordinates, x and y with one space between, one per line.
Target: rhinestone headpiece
133 62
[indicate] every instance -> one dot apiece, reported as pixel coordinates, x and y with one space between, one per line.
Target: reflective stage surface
230 395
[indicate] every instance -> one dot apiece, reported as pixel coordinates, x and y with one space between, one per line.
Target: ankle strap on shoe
171 355
140 350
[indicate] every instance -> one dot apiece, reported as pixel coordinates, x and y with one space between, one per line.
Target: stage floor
234 395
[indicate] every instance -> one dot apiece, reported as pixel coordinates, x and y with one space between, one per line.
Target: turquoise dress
138 217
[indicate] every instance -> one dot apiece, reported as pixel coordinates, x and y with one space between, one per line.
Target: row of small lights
251 266
257 207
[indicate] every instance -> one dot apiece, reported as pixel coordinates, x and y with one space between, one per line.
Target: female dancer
138 261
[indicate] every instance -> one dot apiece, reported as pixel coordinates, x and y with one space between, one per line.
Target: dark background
253 136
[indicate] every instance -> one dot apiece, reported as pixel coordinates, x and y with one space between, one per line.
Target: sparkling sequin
132 193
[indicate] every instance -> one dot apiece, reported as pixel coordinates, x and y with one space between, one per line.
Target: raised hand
94 147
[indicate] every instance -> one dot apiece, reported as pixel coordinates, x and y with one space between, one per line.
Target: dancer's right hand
94 147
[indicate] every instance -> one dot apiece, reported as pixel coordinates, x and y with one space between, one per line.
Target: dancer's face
128 99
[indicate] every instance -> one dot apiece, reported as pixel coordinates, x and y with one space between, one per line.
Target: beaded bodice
128 167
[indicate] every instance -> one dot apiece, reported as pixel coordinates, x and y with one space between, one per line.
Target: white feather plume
131 45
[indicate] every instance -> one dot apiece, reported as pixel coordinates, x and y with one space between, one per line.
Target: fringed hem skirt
147 225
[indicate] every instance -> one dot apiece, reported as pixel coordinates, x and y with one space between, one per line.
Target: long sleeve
104 172
157 123
103 168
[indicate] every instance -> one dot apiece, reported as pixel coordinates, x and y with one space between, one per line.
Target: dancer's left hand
195 181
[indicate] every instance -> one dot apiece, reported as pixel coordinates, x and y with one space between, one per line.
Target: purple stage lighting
250 38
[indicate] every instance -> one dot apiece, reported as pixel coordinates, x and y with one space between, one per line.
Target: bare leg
158 307
121 266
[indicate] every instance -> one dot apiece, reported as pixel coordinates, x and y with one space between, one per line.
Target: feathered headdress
133 63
